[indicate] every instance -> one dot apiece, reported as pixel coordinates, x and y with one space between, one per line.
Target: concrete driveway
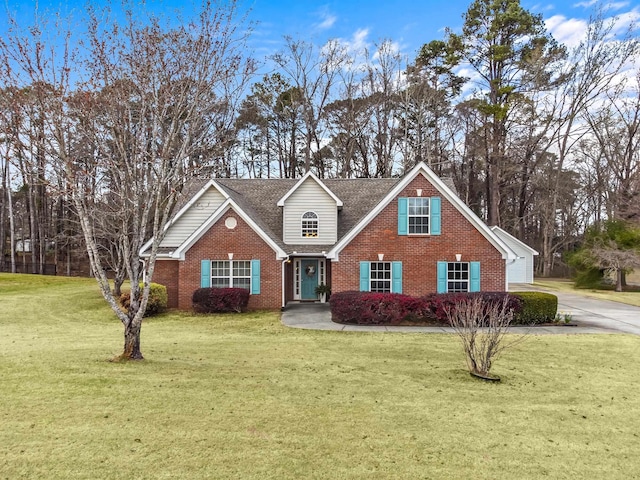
591 312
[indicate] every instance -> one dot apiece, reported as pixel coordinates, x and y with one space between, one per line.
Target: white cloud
327 21
357 43
568 31
587 4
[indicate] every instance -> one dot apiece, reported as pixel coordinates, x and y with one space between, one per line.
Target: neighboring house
281 238
521 270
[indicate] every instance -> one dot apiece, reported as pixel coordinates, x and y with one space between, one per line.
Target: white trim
230 277
317 219
301 181
229 204
297 275
428 216
446 192
500 232
188 205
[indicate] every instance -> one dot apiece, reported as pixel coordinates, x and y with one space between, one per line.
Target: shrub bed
367 308
220 300
157 302
439 303
537 307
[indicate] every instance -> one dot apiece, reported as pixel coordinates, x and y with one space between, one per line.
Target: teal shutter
434 212
396 277
474 276
364 276
403 219
442 277
205 273
255 277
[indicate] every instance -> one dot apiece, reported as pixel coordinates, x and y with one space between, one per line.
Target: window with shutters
418 215
231 274
380 277
457 277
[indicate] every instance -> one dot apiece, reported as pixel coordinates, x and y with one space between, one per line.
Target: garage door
517 271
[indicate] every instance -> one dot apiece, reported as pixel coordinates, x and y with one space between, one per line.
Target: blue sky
358 23
409 23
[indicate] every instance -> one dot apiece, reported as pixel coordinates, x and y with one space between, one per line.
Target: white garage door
517 271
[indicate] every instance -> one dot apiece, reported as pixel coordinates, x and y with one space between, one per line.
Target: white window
231 274
457 277
380 277
418 215
309 224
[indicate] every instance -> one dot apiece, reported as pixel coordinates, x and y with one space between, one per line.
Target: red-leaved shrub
220 300
439 303
367 308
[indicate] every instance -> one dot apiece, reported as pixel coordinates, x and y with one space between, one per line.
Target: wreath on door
310 270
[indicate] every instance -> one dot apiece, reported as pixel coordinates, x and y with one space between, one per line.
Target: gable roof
308 175
259 203
446 192
507 237
229 204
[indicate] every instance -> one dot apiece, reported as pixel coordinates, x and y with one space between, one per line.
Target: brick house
281 238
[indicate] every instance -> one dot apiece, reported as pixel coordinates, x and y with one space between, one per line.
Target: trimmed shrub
157 302
440 303
220 300
368 308
537 307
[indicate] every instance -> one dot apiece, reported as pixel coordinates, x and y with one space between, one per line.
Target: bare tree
591 69
313 72
482 328
134 130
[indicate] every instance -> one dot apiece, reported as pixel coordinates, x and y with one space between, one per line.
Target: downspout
283 276
506 273
144 271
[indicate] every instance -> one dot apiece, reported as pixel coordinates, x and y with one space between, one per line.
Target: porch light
230 256
458 257
381 256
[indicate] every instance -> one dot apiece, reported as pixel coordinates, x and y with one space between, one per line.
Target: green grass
244 397
564 285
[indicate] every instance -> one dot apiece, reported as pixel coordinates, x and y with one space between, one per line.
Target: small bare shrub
481 327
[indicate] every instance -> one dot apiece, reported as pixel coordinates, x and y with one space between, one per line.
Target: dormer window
309 224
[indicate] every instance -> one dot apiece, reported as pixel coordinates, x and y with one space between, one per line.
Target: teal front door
308 279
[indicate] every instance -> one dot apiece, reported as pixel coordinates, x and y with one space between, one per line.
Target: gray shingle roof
258 198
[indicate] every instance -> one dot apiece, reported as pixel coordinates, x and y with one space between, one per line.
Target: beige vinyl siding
310 197
190 220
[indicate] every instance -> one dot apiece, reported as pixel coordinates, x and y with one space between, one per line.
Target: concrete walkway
591 316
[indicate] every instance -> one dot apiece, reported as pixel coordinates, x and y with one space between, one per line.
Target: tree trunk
619 280
132 343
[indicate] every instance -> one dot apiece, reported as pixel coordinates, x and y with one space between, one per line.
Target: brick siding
419 254
216 244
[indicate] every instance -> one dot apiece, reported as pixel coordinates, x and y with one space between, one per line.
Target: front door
309 279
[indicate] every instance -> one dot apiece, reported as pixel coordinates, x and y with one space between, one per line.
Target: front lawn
243 397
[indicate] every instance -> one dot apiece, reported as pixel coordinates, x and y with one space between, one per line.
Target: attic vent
231 223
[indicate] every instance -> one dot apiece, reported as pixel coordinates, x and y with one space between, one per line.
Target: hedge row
220 300
366 308
537 307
